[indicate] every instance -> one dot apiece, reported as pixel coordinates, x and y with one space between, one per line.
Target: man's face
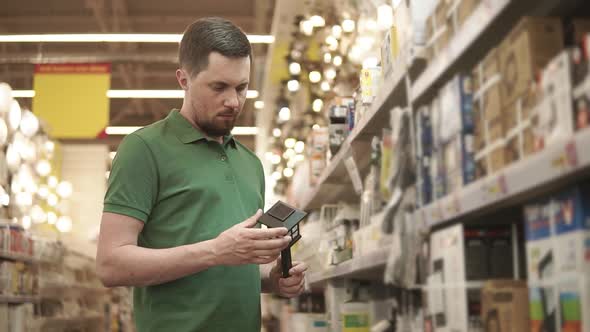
216 95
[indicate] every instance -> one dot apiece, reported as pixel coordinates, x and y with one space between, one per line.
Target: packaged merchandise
459 162
420 11
386 161
487 101
370 84
462 10
318 144
389 52
424 141
338 127
525 52
505 306
456 107
554 113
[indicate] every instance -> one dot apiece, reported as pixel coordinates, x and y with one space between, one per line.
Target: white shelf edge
371 260
18 299
555 162
486 13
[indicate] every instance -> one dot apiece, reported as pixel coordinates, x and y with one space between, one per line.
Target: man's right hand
244 244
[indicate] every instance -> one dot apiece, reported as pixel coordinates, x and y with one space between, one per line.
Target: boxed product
389 52
487 104
424 142
318 143
338 127
459 161
419 12
424 181
525 51
439 29
4 238
505 306
456 107
554 112
582 109
438 174
370 83
573 293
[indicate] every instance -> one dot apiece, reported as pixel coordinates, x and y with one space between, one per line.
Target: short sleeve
133 181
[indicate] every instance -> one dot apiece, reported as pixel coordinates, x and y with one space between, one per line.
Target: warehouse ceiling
135 66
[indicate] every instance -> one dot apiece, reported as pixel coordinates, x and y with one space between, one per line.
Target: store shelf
334 184
55 290
18 299
369 266
469 36
555 165
16 257
66 322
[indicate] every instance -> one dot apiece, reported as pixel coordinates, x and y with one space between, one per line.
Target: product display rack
16 299
554 166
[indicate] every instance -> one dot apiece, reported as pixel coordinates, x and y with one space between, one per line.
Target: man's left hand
292 286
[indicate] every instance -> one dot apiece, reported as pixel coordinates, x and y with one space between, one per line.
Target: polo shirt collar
187 134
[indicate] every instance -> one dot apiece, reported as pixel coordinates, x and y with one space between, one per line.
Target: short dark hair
211 34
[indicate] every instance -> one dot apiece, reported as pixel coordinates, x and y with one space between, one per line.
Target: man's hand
289 287
244 244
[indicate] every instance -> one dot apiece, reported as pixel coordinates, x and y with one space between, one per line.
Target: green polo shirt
187 188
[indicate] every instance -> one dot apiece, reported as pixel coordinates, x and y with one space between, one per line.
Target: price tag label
566 159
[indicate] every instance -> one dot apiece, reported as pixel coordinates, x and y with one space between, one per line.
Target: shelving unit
67 322
367 267
16 257
17 299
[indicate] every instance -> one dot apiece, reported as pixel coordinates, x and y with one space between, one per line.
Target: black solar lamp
284 215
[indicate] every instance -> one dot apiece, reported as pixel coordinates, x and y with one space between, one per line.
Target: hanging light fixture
337 61
325 86
317 21
306 27
293 85
384 17
317 105
337 31
284 114
277 132
348 25
315 76
294 68
327 57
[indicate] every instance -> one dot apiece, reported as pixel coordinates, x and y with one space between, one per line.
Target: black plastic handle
286 262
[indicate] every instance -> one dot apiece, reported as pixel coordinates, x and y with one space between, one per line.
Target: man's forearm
131 265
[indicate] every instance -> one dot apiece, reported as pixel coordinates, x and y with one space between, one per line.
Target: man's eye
218 88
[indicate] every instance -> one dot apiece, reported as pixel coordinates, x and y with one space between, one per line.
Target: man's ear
182 77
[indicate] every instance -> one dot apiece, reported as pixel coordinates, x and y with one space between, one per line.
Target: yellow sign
72 98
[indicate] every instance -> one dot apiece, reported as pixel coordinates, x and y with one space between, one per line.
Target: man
180 212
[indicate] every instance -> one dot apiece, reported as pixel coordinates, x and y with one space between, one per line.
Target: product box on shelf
338 128
573 293
487 103
554 112
439 29
318 143
456 106
505 306
423 181
423 130
525 52
438 174
459 161
370 83
4 238
389 53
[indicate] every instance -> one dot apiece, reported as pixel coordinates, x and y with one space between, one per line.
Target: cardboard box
459 161
505 306
486 83
525 51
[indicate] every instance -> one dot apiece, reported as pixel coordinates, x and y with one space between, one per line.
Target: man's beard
213 129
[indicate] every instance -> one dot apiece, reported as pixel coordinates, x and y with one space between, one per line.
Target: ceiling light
49 147
370 62
276 176
288 172
43 192
299 147
317 21
29 124
64 189
325 86
337 60
284 114
288 154
43 167
315 126
306 27
14 115
293 85
26 222
290 143
317 105
294 68
277 132
348 25
395 3
52 199
384 16
245 131
299 158
126 130
114 38
327 57
315 76
337 31
259 104
124 94
330 73
38 215
52 181
276 159
64 224
51 217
